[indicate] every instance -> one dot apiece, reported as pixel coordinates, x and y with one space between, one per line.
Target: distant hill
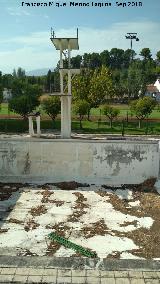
39 72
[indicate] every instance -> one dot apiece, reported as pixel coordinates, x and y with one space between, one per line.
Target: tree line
110 76
125 65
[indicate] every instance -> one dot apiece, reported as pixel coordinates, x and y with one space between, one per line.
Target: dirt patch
37 211
26 252
46 186
80 202
71 185
6 190
52 248
76 215
58 203
15 221
125 224
30 225
46 194
78 208
60 229
148 240
3 231
114 254
94 229
146 186
122 204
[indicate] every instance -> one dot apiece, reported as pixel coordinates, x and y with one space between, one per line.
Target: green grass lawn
95 111
123 111
21 126
4 109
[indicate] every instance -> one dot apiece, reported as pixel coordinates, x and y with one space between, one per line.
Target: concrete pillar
65 101
31 129
38 126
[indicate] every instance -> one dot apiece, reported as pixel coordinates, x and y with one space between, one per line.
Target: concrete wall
91 161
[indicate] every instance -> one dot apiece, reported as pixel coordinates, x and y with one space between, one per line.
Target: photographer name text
83 4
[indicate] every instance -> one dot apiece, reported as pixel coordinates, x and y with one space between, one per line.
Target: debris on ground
115 222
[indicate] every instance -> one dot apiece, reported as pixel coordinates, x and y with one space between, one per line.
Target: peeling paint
27 164
8 157
81 161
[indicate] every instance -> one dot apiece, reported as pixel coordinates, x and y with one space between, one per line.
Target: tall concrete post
65 44
65 106
38 125
31 129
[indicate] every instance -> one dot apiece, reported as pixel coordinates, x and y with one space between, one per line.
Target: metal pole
131 43
69 71
61 66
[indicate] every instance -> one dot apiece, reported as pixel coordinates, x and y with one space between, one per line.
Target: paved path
77 270
68 276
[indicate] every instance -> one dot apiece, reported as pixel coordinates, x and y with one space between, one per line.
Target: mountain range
39 72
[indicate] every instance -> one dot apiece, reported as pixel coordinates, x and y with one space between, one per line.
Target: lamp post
132 36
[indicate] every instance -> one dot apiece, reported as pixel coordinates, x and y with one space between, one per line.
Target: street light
132 36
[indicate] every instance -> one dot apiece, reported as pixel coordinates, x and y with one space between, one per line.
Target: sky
25 30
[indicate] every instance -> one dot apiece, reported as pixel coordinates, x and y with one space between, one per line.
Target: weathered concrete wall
99 162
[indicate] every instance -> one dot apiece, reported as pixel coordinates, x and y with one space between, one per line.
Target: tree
7 80
158 56
95 60
81 87
101 87
105 58
111 113
1 89
56 81
1 94
32 90
81 108
76 61
20 88
48 81
23 105
142 108
17 88
146 54
119 78
20 73
135 80
116 58
14 73
128 56
93 86
52 106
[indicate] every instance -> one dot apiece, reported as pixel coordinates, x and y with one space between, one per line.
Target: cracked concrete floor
121 223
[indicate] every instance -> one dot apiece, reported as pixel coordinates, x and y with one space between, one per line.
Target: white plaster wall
157 84
99 162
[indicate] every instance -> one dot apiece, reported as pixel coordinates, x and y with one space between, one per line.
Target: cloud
46 16
32 39
17 12
36 51
27 58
